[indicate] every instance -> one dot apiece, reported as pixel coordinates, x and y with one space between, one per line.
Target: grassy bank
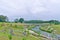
18 30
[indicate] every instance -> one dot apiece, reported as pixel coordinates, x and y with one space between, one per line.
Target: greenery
3 18
16 20
18 32
46 29
10 37
21 20
57 28
41 21
20 26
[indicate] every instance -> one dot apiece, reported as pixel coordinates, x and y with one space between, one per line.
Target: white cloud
29 7
55 1
18 5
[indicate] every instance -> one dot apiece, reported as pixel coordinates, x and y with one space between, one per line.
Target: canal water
49 35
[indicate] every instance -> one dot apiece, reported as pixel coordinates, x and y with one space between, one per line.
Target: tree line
21 20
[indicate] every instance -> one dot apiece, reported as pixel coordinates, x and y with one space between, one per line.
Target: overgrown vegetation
17 30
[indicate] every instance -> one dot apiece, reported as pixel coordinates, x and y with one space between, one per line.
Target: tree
54 21
21 20
16 20
34 21
3 18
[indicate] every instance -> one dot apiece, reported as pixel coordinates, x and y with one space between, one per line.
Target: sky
31 9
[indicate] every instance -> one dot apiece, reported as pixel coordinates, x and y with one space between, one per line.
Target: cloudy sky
31 9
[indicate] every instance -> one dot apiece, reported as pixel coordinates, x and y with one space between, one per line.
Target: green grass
15 26
57 28
20 27
4 36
